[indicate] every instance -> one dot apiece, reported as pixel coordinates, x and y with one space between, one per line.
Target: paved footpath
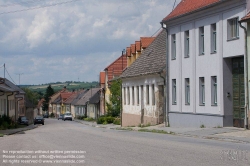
231 134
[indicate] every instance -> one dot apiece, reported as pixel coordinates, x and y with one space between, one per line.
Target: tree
49 92
114 106
32 96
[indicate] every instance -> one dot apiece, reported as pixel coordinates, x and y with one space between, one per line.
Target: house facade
205 59
143 86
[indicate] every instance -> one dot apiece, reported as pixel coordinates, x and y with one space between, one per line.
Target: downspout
8 102
121 103
164 105
167 78
246 77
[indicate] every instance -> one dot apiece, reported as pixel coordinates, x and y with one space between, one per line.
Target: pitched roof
116 68
102 77
146 41
128 51
87 96
138 46
152 59
70 98
188 6
95 99
246 18
79 96
132 48
40 103
9 86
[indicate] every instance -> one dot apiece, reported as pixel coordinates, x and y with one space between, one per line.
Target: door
238 92
161 103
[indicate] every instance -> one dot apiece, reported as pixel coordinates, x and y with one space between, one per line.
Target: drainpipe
8 102
167 78
246 77
164 105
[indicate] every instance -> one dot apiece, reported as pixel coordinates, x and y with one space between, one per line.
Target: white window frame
174 92
202 90
213 38
187 91
186 44
233 28
201 41
173 48
214 91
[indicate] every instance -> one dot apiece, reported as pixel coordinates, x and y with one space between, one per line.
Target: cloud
75 39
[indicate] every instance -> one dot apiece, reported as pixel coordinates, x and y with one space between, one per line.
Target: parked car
39 120
60 117
45 115
23 120
67 116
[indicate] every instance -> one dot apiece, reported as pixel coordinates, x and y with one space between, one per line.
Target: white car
67 116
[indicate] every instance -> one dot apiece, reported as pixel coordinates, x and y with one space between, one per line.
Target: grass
156 131
142 125
1 135
122 128
202 126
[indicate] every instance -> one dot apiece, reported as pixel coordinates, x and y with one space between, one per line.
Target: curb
23 129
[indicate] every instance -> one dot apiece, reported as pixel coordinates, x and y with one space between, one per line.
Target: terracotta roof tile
102 77
146 41
116 68
66 95
128 51
247 17
152 59
138 46
132 48
187 6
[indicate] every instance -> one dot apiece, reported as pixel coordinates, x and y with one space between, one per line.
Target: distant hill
70 85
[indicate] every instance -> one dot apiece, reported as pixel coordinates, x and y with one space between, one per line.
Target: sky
44 41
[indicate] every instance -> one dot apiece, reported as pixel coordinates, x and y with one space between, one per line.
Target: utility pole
4 70
19 76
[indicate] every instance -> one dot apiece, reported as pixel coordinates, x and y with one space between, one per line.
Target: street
99 146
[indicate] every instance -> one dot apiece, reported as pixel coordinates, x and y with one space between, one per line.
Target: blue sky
71 41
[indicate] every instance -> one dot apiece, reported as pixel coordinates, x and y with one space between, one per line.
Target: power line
10 76
14 4
56 4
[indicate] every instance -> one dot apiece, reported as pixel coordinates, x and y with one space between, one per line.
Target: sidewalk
14 131
231 134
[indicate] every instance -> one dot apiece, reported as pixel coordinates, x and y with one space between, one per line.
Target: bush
52 115
81 117
89 119
117 121
105 120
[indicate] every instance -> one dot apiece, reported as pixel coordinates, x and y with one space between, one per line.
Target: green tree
49 92
114 106
32 96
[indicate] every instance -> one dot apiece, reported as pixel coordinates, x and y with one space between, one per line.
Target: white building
143 86
206 63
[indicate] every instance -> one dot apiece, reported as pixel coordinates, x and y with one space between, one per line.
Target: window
173 49
213 38
186 43
153 94
133 96
124 95
174 92
147 93
187 91
232 29
214 90
201 41
137 91
128 96
202 90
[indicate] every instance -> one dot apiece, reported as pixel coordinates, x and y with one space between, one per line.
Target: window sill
186 56
214 52
202 54
173 59
202 105
214 105
236 38
187 104
174 103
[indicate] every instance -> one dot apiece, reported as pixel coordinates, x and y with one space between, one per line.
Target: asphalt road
65 142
